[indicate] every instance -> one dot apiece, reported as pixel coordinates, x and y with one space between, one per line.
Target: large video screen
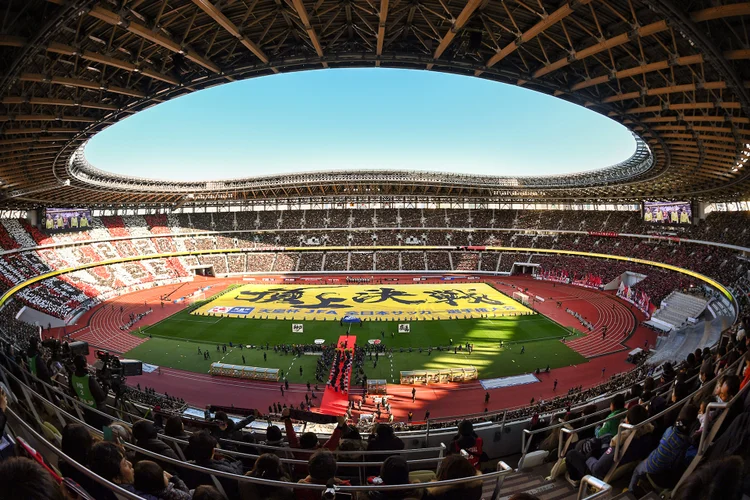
66 219
667 212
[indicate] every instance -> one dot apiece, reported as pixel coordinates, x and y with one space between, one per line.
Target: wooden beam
459 23
735 55
547 22
737 9
143 31
46 118
12 41
59 48
77 82
609 43
383 15
216 14
48 101
302 13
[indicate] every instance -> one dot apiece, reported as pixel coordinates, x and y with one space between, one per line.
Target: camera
62 353
111 371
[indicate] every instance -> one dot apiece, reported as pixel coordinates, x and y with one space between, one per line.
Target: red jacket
475 452
315 494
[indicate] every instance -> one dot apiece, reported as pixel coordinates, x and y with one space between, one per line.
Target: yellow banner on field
366 302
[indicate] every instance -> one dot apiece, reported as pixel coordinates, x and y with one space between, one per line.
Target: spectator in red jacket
468 441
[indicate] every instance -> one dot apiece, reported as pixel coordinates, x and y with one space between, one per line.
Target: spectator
76 443
730 386
36 362
89 392
207 492
668 457
383 438
146 437
173 427
22 478
351 441
267 466
456 467
599 465
309 440
227 429
716 479
468 441
151 482
202 448
616 408
108 461
395 470
322 469
746 374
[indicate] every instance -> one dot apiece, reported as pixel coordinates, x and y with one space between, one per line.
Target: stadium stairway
535 484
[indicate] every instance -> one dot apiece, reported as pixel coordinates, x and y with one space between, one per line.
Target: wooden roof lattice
676 73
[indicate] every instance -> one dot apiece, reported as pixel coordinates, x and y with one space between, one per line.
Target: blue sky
360 119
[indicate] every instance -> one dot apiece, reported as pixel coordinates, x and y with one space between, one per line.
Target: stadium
373 333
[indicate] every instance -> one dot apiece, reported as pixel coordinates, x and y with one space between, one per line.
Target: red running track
100 326
443 400
599 308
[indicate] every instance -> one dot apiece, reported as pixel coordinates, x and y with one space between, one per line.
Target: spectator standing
467 440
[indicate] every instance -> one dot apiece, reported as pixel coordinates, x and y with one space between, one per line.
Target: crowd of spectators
719 263
413 261
661 449
160 402
285 262
361 261
336 261
438 261
465 261
311 261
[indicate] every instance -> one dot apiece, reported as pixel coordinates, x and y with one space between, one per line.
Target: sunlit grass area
497 345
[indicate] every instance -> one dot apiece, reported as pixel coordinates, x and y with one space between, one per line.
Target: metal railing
65 417
16 421
565 438
626 433
592 488
711 425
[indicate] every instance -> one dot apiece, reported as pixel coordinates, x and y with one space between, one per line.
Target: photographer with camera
87 390
36 362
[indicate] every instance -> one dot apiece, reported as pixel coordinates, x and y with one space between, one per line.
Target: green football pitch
497 344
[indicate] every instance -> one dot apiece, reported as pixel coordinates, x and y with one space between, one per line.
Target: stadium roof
675 72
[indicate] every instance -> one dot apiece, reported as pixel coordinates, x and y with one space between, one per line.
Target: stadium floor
199 389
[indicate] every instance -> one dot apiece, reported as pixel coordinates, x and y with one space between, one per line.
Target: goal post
521 297
196 297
